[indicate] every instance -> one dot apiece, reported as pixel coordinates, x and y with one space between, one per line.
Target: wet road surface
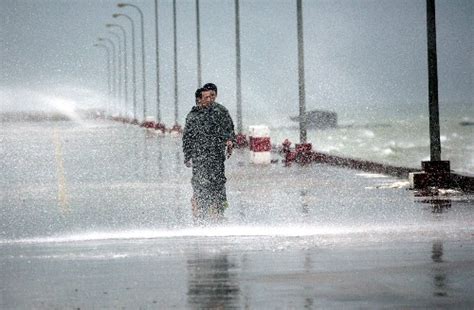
97 215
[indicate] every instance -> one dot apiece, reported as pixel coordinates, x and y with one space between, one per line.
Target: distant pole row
120 95
122 5
109 74
134 74
117 68
117 63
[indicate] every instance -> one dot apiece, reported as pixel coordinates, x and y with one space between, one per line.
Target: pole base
434 174
436 167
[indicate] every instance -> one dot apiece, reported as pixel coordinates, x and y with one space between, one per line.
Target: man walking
208 136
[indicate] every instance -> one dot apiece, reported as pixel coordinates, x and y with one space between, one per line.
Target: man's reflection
211 282
146 139
159 156
304 201
136 158
438 205
439 281
308 267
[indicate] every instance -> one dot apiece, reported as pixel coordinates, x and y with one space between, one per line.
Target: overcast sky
365 59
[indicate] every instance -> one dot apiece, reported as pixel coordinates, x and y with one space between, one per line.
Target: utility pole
238 68
435 143
301 86
198 39
175 49
435 172
158 108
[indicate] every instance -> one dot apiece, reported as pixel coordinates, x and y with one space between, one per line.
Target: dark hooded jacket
204 141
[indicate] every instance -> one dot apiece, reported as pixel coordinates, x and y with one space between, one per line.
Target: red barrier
148 124
259 144
160 127
304 153
286 150
303 147
286 146
241 140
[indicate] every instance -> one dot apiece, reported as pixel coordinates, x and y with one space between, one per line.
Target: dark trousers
208 184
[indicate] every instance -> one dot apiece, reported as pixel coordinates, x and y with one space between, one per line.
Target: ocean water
402 143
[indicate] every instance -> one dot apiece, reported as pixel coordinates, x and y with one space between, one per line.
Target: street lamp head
121 5
115 15
108 25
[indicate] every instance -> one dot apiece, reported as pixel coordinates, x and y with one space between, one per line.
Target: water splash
374 232
67 101
62 105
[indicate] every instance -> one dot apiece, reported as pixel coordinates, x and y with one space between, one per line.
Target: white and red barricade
259 144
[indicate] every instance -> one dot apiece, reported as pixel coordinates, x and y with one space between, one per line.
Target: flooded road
98 215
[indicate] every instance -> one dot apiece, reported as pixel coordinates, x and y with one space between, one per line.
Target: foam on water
367 133
371 175
391 185
400 143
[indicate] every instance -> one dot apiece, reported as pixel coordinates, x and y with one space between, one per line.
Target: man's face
206 98
213 96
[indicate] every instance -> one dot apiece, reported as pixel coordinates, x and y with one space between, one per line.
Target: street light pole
198 39
435 172
158 108
175 49
125 63
114 67
120 69
301 87
238 68
435 143
120 5
134 77
109 81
